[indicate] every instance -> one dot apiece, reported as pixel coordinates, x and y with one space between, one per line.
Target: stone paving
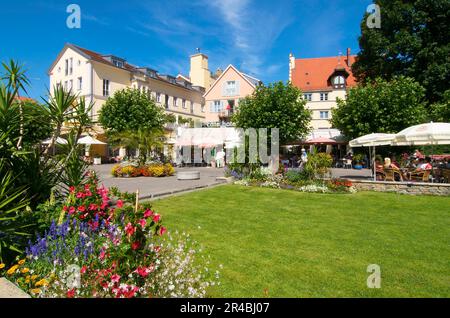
157 187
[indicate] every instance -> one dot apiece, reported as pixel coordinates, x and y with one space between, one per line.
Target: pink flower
88 193
71 293
80 195
142 222
93 207
148 213
156 218
130 229
83 269
142 271
102 254
115 278
120 204
87 186
81 208
104 205
162 230
71 210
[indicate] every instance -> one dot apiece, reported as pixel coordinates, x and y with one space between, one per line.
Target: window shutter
238 88
211 107
222 105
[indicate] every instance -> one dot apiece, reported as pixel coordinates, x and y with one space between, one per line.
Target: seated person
388 164
426 165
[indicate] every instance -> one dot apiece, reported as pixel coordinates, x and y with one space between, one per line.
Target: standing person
220 156
303 159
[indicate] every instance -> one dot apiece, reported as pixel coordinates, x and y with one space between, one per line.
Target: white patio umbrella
88 141
424 134
59 141
373 140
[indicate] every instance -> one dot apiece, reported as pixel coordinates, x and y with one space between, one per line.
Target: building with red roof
322 80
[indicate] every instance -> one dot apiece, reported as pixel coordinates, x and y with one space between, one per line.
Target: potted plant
358 158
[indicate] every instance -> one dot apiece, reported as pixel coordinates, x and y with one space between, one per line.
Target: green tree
412 41
277 105
130 110
380 106
440 111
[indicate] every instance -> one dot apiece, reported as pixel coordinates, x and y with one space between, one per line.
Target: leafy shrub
156 171
319 164
169 170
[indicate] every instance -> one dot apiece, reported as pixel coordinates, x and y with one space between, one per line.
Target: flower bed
104 250
293 180
151 170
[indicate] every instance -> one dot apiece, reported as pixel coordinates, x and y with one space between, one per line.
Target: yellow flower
25 270
34 277
42 282
12 270
35 291
27 281
21 262
2 266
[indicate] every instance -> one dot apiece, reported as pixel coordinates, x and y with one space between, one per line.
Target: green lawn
295 244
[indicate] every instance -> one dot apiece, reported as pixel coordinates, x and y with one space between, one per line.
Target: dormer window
338 81
118 63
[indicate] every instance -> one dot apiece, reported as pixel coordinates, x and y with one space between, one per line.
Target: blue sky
254 35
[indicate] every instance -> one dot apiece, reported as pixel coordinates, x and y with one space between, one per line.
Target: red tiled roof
25 99
99 58
311 74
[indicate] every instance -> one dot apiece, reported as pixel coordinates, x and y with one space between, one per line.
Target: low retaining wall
414 188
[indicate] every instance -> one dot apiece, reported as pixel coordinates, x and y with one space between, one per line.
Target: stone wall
414 188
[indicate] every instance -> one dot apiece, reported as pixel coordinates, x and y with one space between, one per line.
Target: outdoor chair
389 174
348 164
423 176
446 175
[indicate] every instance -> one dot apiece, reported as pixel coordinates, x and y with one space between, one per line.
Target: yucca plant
14 231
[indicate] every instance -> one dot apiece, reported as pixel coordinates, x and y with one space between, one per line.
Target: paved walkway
157 187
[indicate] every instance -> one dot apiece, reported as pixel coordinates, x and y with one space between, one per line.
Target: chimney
291 65
348 57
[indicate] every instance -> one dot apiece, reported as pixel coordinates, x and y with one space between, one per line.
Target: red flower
142 223
156 218
93 207
130 229
72 189
81 208
71 293
87 186
83 270
120 204
135 245
88 193
142 271
162 230
65 208
80 195
148 213
115 278
71 210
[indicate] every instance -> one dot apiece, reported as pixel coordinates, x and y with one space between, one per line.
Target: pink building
223 97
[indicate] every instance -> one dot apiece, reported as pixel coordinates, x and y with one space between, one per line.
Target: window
105 87
192 107
230 88
158 97
308 97
324 114
339 81
183 103
71 85
65 85
118 63
203 108
80 83
71 66
175 100
216 106
66 69
323 96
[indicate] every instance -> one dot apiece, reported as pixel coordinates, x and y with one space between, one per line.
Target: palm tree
16 80
59 109
146 140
